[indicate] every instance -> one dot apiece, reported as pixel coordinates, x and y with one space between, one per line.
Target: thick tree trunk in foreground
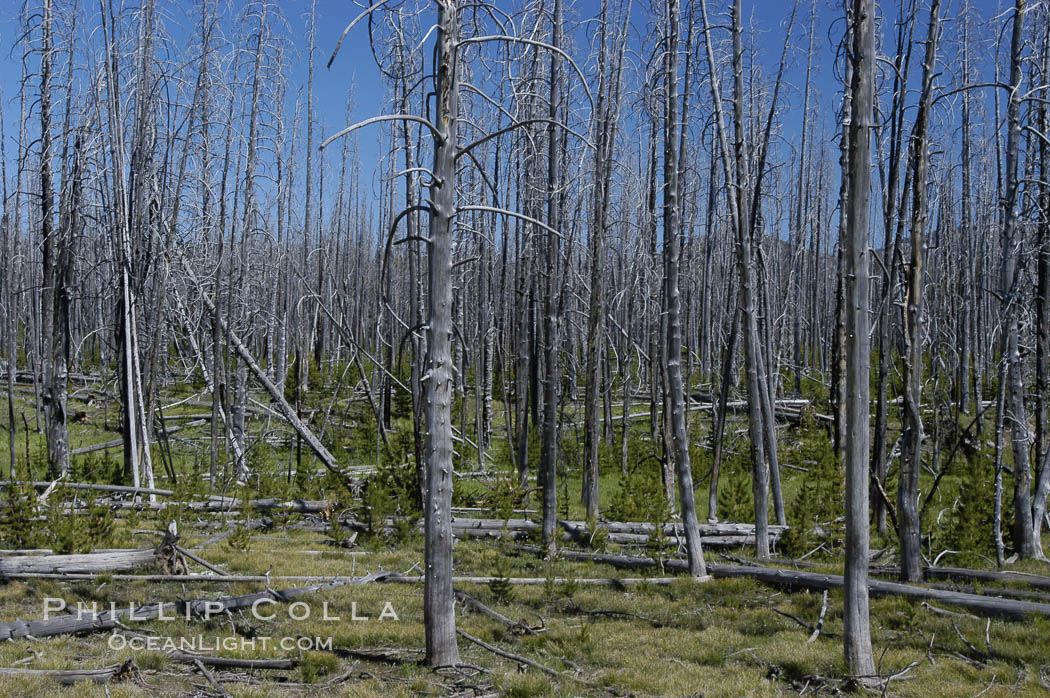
439 615
856 621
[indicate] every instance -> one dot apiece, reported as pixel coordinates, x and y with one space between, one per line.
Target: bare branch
376 119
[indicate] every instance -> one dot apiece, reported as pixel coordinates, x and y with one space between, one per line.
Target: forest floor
725 637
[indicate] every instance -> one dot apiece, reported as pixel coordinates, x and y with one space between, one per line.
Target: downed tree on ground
205 608
115 672
233 662
162 556
622 533
214 504
985 605
1005 577
44 484
116 443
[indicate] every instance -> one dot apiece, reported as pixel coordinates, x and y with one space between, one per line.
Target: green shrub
316 665
67 533
641 495
506 493
99 520
501 586
17 529
736 501
241 539
820 498
967 528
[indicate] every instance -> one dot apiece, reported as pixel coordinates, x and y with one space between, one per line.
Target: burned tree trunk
439 614
56 259
911 458
672 232
856 622
1009 280
549 442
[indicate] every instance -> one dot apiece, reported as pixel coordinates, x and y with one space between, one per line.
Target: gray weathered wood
68 677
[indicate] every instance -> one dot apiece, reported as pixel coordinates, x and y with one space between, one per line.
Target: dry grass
721 638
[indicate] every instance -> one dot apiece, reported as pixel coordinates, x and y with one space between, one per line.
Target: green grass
721 638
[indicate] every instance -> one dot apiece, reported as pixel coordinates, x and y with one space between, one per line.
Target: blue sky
355 65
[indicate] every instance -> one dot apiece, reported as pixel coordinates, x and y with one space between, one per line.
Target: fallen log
206 608
162 556
115 672
513 625
167 431
44 484
97 447
637 527
183 578
302 506
1004 577
986 605
1001 592
582 537
517 658
232 662
201 561
27 377
530 581
211 679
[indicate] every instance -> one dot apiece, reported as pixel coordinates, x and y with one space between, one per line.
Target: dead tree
606 120
1042 307
547 475
57 257
892 219
911 457
137 460
736 169
8 297
856 254
1011 239
672 250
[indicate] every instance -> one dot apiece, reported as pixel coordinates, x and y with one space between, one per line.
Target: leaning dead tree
911 456
537 290
672 232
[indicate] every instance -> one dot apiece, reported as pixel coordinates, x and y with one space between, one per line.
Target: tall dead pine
672 252
856 254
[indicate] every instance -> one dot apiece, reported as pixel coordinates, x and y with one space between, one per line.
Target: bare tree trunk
1009 281
439 615
56 257
548 466
966 320
892 218
753 353
856 621
1042 321
719 412
9 299
672 232
911 457
595 307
